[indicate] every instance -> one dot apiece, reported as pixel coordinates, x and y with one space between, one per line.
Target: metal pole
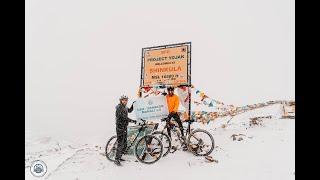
189 88
142 67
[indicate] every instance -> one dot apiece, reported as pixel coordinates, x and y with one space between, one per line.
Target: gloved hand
139 122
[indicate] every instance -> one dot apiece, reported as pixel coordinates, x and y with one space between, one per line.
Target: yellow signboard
166 65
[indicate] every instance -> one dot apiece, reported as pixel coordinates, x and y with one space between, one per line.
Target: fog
82 55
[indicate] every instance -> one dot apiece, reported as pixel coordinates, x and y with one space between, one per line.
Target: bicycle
200 142
148 149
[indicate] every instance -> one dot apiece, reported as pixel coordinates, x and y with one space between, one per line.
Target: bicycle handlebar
143 121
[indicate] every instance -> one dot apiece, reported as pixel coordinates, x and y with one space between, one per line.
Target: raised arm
131 108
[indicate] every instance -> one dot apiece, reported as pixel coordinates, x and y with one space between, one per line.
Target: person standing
173 105
122 121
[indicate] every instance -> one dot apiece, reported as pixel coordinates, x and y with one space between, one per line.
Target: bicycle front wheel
149 149
166 141
111 148
200 142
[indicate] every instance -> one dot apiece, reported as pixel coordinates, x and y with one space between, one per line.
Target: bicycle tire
203 131
165 151
106 148
137 144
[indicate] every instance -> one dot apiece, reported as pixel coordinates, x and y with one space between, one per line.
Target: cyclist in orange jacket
173 104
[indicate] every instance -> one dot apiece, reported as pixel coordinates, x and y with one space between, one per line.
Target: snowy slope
266 152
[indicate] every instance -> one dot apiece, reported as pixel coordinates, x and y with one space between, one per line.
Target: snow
266 152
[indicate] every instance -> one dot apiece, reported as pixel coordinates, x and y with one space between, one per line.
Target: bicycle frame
188 131
139 131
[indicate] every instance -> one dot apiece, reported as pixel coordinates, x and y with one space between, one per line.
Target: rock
210 159
234 137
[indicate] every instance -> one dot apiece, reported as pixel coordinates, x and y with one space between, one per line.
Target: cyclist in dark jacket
122 121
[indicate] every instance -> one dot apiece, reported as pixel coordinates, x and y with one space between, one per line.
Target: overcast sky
82 55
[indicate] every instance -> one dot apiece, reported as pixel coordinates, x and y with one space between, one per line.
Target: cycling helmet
123 97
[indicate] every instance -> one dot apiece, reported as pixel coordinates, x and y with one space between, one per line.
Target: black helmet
170 88
123 97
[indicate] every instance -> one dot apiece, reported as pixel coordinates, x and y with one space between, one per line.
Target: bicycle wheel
200 142
111 148
148 149
166 141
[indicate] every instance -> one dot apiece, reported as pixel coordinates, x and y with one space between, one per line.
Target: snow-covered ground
267 152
